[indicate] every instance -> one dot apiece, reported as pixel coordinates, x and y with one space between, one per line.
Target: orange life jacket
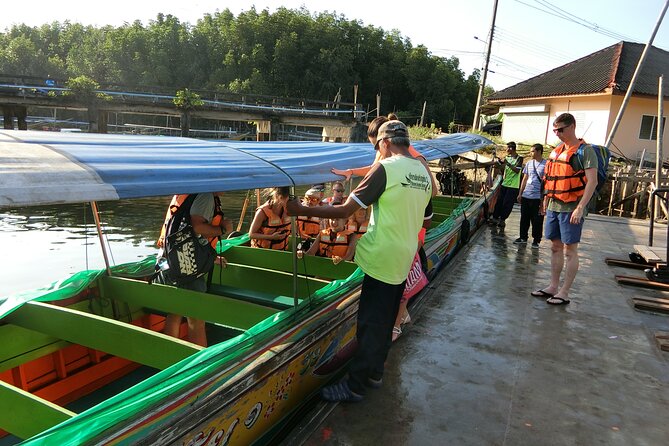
176 202
329 200
333 243
356 228
561 181
308 227
272 225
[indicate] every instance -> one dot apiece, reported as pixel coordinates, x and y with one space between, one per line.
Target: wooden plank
642 282
283 261
25 415
650 253
267 281
626 263
657 300
659 308
208 307
117 338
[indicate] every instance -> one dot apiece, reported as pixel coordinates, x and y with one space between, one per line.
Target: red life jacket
272 225
561 181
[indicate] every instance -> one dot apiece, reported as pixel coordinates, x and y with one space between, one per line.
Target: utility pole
639 66
479 100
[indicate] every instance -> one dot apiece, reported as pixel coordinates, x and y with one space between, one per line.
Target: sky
531 36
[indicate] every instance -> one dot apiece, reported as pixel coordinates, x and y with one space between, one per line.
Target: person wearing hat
308 228
398 188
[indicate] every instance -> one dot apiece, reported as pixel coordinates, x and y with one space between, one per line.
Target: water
42 244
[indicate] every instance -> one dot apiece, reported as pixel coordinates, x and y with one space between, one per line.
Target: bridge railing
32 86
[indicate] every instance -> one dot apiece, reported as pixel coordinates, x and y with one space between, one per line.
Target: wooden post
614 183
422 115
355 101
660 131
624 193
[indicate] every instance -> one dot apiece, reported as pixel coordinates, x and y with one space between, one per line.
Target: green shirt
589 161
511 178
399 189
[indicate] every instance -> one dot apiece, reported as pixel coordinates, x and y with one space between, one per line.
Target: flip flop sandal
561 300
541 293
397 332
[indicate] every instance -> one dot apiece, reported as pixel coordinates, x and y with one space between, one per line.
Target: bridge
340 121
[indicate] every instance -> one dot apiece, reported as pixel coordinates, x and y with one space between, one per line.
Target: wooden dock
484 363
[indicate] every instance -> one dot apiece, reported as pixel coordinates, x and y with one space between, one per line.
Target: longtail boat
83 361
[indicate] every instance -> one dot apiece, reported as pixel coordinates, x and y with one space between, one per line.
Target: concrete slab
484 363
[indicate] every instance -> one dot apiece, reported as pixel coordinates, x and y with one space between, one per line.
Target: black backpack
187 257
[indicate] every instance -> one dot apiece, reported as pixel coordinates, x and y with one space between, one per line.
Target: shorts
559 227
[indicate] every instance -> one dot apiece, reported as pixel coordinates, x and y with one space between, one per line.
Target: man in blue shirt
530 195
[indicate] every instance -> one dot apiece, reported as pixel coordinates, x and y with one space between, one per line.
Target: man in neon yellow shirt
513 165
399 189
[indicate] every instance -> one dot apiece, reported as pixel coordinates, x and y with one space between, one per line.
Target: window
648 128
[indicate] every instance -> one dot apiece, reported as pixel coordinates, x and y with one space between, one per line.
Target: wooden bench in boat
218 309
283 261
252 296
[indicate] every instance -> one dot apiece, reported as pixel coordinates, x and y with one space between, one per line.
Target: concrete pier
484 363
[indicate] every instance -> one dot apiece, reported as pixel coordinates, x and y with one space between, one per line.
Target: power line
518 67
524 42
562 14
586 23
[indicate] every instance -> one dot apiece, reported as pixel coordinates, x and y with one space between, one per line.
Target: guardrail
244 102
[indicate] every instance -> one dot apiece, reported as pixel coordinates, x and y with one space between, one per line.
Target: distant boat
281 329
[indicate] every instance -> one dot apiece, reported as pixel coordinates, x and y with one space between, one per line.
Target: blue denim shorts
558 226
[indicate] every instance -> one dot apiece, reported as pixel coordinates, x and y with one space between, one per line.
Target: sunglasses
338 190
560 129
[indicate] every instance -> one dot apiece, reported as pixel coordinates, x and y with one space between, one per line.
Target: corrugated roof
612 66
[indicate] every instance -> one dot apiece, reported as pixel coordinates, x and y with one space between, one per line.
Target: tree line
290 53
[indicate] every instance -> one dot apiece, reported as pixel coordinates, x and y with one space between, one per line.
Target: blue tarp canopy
49 167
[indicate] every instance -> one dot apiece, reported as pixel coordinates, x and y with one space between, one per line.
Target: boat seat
256 297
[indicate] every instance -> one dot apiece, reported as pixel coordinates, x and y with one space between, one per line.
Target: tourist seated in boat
338 196
358 222
335 242
210 225
270 227
309 227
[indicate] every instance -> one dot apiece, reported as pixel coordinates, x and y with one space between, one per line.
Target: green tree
187 100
